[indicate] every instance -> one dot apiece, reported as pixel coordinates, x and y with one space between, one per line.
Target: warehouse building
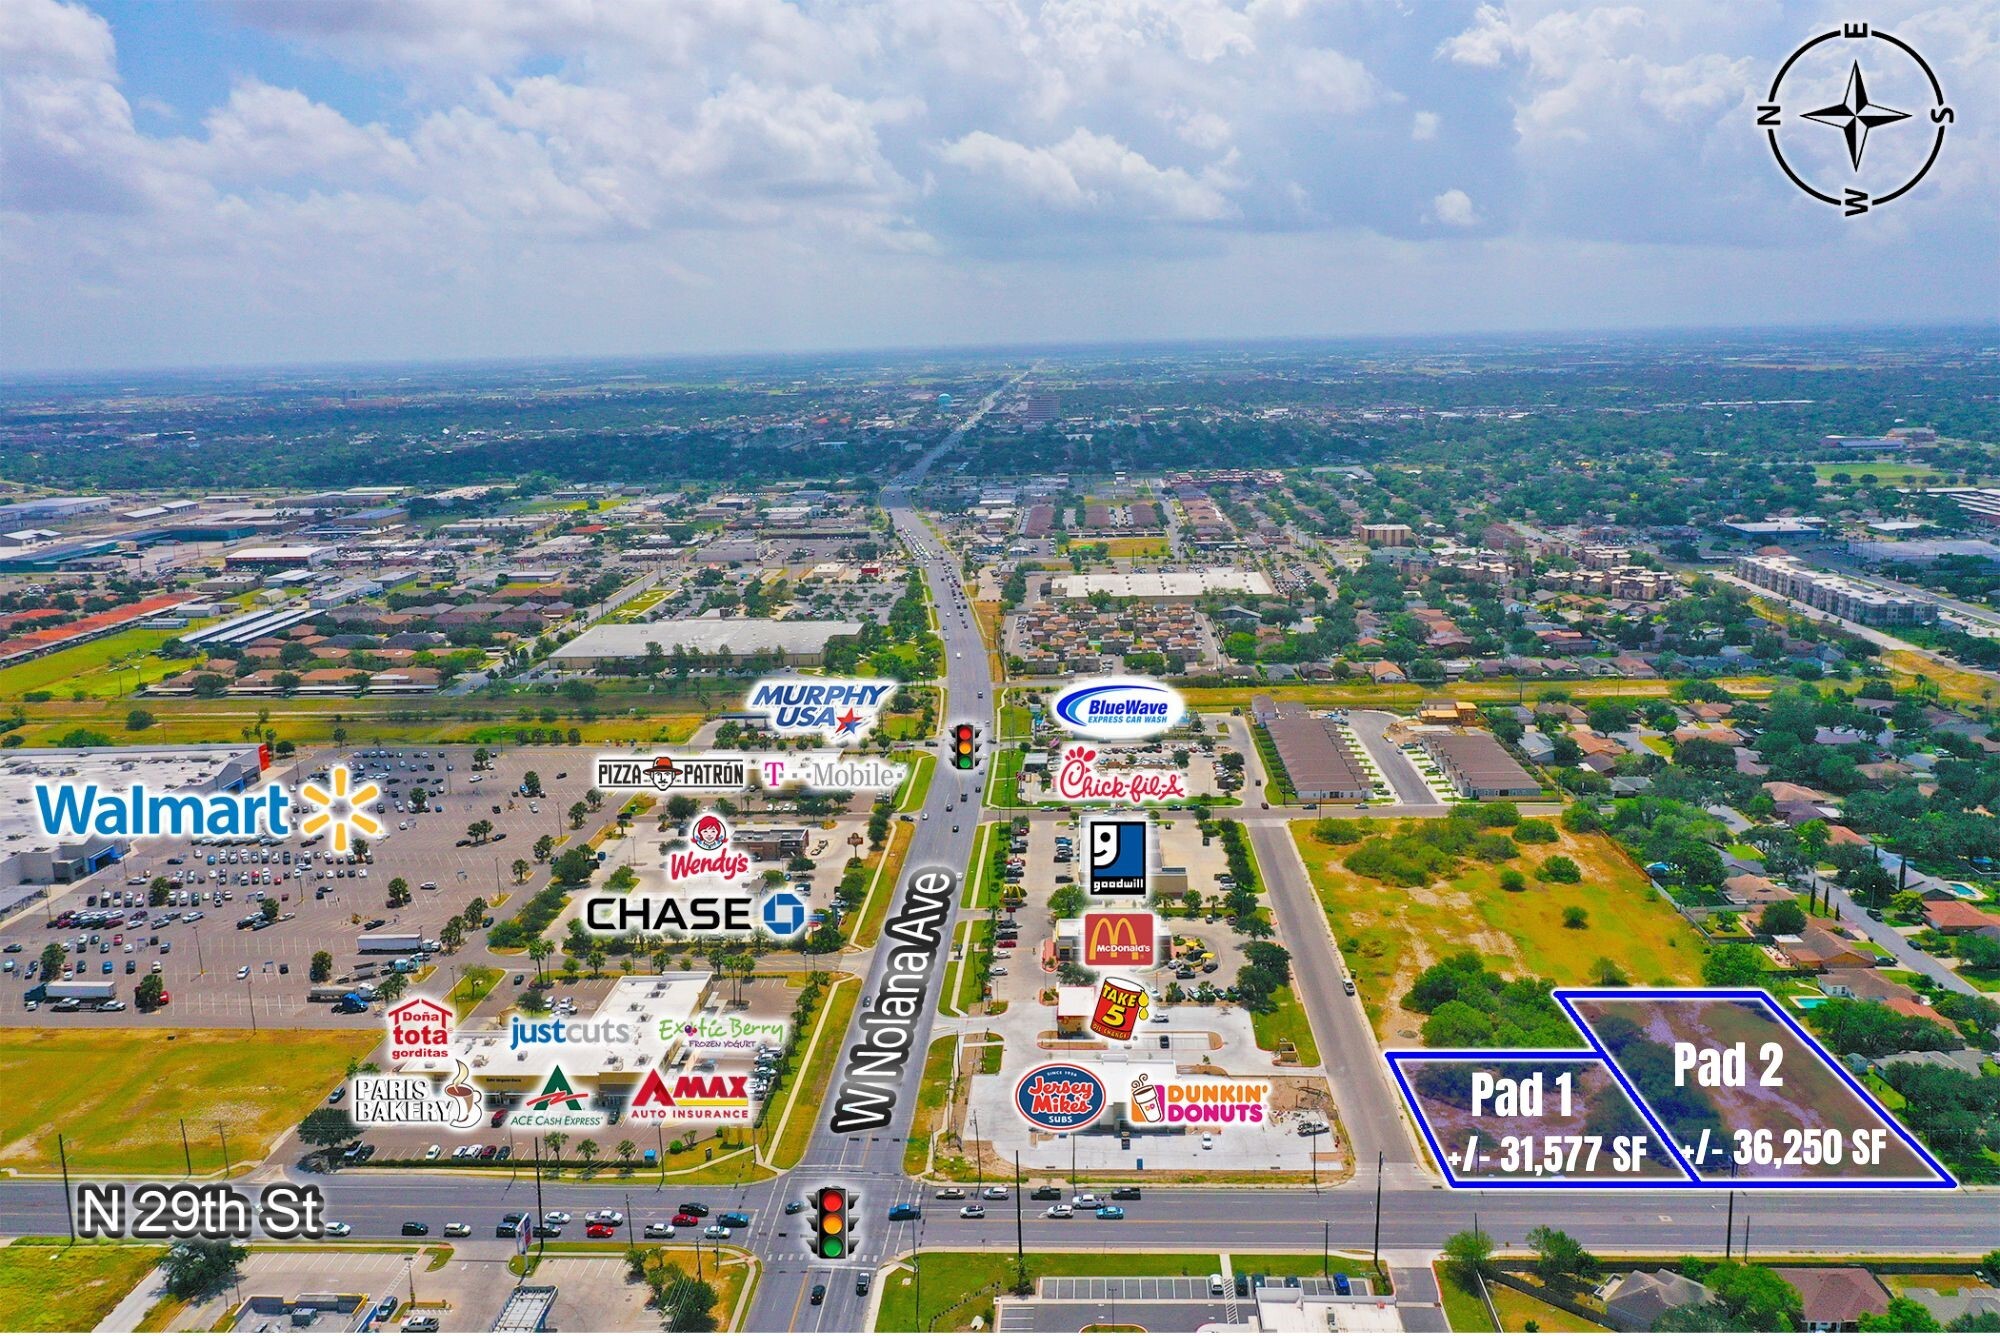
725 640
1478 766
1318 761
1162 586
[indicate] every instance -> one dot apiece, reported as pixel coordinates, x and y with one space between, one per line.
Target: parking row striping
1075 1288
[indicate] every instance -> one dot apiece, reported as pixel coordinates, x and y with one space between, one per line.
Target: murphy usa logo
835 709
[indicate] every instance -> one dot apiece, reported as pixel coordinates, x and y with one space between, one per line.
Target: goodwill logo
1060 1097
835 709
1119 709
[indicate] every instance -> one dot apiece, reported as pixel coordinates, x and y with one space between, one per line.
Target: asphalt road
870 1164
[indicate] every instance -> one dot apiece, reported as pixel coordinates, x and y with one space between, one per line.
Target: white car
556 1218
1060 1211
659 1229
336 1230
242 971
973 1212
433 1152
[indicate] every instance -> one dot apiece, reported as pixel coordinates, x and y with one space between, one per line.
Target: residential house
1835 1298
1635 1300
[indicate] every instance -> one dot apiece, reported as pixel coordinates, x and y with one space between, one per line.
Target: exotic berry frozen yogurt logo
1827 84
1115 709
837 710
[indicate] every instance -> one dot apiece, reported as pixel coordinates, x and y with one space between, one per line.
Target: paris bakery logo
1879 168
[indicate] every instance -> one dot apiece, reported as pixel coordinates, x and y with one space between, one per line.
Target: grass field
931 1096
118 1096
50 1285
959 1287
888 866
364 722
1894 472
1407 697
474 983
783 1146
1517 1310
1463 1308
1959 686
1286 1021
1390 934
917 785
94 667
1139 549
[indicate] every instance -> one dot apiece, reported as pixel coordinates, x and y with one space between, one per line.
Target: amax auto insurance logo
1060 1097
1118 709
839 710
419 1028
722 1097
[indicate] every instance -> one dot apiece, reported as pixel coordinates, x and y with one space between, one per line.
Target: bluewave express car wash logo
1116 709
835 709
877 1061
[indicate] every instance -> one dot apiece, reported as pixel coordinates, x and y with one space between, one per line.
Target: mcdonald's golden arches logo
1119 940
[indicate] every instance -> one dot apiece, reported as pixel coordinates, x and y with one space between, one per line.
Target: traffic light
832 1241
964 747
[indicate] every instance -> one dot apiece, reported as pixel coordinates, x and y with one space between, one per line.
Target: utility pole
227 1167
186 1154
1375 1250
1325 1248
1313 1156
541 1243
69 1203
1729 1228
1020 1246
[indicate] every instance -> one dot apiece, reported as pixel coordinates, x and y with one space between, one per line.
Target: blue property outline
1597 1053
1833 1064
1398 1057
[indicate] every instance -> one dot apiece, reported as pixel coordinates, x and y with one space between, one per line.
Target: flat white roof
1163 584
705 635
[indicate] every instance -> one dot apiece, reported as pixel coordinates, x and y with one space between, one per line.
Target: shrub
1561 868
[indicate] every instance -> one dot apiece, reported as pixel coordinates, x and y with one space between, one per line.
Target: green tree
322 966
1470 1253
200 1267
1559 1259
150 993
1735 965
53 956
1782 918
327 1126
1903 1314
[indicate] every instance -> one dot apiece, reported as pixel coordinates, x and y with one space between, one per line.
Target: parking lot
217 974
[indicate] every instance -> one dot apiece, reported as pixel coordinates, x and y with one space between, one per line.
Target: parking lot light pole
227 1167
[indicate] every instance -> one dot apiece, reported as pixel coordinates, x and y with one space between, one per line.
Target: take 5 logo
1117 854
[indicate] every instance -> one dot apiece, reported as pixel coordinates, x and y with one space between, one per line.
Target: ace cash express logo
419 1028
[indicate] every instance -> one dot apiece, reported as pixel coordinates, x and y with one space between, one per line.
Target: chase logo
1119 708
1060 1097
783 913
836 709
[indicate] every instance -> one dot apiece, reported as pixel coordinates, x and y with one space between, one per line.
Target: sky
249 182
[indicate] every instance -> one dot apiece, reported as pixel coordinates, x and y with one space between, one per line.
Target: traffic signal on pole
964 747
832 1243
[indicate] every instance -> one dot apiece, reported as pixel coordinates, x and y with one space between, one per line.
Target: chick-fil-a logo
1078 779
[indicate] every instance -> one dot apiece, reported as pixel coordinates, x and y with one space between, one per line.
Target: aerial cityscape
647 803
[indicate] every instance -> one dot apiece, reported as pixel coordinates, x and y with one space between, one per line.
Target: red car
684 1219
599 1230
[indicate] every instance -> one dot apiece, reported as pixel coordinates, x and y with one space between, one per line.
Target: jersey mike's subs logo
1060 1097
1117 709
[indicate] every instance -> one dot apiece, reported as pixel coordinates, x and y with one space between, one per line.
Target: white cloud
1424 126
1090 173
1454 208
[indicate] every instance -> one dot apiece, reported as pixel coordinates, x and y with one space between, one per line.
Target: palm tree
392 987
626 1150
588 1150
539 951
555 1141
520 870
